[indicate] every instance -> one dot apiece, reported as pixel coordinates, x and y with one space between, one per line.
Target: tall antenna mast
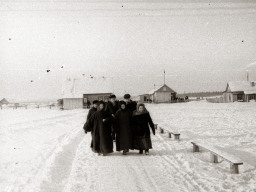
247 75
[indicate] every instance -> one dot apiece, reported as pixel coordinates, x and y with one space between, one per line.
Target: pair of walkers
130 124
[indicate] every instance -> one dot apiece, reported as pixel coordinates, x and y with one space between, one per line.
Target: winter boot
146 152
141 151
124 152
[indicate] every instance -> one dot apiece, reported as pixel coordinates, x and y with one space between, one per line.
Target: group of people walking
125 122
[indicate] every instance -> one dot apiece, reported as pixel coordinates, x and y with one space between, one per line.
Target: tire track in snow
138 172
142 173
111 173
47 160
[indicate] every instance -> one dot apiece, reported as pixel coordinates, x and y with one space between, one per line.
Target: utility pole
164 76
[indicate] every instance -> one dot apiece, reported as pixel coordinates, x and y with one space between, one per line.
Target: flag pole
164 76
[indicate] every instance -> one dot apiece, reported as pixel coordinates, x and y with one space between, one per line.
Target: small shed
80 93
240 91
4 102
162 94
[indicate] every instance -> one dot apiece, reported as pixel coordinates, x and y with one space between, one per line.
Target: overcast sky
201 44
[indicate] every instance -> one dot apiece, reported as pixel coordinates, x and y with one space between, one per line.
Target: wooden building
240 91
162 94
4 102
77 94
145 98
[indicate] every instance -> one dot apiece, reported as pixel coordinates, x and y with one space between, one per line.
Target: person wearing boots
100 126
141 121
123 129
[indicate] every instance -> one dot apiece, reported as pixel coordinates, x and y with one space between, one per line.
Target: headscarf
137 112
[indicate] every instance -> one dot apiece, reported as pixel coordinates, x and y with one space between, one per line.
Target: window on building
164 88
145 98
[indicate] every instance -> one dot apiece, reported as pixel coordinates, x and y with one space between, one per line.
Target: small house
240 91
4 102
162 94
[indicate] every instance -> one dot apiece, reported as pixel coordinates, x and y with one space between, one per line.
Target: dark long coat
141 132
112 108
90 113
131 106
123 127
101 132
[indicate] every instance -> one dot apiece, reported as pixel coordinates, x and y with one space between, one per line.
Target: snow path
171 165
47 150
160 171
60 169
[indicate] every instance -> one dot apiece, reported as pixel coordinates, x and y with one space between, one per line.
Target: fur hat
101 102
122 103
127 96
95 102
112 96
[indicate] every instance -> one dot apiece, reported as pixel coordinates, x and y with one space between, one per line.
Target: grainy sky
201 44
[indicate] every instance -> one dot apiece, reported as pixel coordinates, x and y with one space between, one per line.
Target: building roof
159 87
241 86
8 100
75 88
4 101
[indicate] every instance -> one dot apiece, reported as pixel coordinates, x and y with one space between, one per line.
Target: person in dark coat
123 129
90 113
130 105
141 121
112 108
100 126
93 109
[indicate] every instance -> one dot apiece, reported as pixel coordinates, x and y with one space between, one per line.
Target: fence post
161 130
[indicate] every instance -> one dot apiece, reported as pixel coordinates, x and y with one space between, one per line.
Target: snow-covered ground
31 140
46 150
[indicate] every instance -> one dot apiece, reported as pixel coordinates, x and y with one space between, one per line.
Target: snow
236 86
47 150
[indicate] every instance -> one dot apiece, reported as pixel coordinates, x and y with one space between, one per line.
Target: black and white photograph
128 95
